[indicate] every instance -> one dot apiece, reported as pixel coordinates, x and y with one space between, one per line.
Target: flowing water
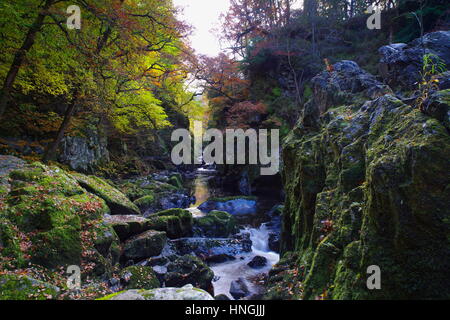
227 272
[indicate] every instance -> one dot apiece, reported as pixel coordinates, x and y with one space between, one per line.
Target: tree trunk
50 153
20 55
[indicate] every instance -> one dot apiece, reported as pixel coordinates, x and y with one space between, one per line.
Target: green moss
140 277
177 223
13 287
116 200
216 224
145 202
110 296
176 181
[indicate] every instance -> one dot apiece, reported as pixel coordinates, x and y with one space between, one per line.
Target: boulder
438 107
139 277
233 205
257 262
216 224
188 292
49 207
144 245
116 200
126 226
239 289
401 64
177 223
189 270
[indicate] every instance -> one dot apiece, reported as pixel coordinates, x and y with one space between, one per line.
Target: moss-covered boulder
20 287
218 224
116 200
144 245
47 214
177 223
139 277
189 270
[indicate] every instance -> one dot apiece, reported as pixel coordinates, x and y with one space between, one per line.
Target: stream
259 232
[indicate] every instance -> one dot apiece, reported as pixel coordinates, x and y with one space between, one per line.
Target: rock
188 292
189 270
221 297
19 287
84 153
177 223
52 210
219 258
146 202
233 205
139 277
217 224
145 245
127 226
369 186
239 289
257 262
438 107
8 164
274 242
401 64
207 247
116 200
245 186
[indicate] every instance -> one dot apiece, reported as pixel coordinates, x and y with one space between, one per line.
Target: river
227 272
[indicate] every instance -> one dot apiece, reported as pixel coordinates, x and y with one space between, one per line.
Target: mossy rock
127 226
15 287
116 200
219 224
145 202
139 277
48 208
189 270
177 223
145 245
176 181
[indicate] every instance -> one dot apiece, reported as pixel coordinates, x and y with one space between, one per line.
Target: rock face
369 185
257 262
401 63
188 292
84 153
232 205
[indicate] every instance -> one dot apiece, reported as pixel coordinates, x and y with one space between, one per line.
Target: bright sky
203 15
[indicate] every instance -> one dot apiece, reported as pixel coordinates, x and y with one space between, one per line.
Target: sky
203 15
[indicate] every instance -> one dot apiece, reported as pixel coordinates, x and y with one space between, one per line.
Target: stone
189 270
187 292
21 287
233 205
216 224
144 245
239 289
177 223
126 226
401 64
257 262
116 200
139 277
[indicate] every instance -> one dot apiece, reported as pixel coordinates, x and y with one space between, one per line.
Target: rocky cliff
367 183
